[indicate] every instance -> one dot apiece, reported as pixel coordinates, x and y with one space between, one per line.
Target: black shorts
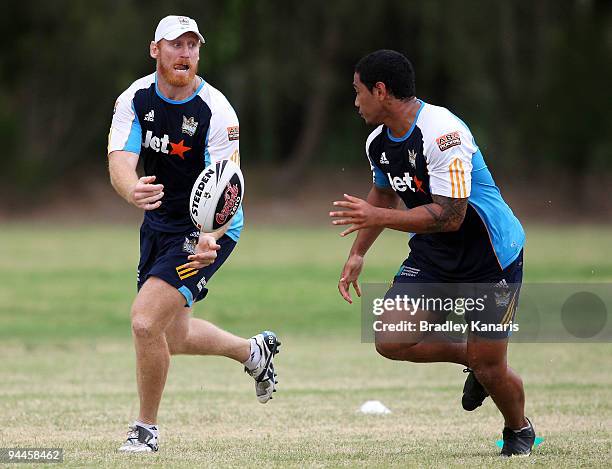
164 255
487 305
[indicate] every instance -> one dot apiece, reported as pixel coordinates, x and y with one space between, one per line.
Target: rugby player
178 124
463 232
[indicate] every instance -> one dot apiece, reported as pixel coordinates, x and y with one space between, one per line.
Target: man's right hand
145 194
349 276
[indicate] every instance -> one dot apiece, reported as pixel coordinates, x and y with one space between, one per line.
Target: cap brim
172 35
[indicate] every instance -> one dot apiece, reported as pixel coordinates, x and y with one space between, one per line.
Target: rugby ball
216 196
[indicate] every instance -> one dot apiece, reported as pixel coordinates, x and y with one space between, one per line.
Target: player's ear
153 50
380 90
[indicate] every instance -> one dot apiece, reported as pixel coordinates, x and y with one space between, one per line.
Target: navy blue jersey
177 140
438 156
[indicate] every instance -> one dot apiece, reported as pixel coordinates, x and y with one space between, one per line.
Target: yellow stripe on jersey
110 135
452 170
457 184
462 179
235 157
452 179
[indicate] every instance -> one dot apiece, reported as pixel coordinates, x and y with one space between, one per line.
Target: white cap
171 27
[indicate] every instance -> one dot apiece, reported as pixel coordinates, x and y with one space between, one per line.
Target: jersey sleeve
449 162
125 132
378 177
223 136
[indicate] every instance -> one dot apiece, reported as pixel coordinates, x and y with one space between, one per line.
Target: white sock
152 428
524 428
255 355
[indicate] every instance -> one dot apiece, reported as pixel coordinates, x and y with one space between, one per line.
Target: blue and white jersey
439 156
177 140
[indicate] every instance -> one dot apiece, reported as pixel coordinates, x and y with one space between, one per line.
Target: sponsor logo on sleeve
233 133
449 140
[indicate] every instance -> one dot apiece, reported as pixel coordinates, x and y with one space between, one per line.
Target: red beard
174 78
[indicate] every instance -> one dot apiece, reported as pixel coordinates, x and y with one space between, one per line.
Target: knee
143 327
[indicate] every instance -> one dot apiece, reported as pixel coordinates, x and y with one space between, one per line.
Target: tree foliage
531 78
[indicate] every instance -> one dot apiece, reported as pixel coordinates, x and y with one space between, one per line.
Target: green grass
67 366
58 283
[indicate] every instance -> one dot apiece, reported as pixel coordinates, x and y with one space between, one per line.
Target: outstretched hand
361 214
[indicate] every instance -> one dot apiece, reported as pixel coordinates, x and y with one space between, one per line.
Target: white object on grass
374 407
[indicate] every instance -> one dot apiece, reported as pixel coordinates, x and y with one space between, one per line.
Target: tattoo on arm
448 216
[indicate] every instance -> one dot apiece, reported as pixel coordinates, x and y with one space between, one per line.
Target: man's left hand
206 252
361 214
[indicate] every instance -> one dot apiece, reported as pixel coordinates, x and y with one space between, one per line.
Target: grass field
67 366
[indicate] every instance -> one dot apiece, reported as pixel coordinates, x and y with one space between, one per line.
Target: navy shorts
493 303
164 255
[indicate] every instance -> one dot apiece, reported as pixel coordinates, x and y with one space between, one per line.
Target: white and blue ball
216 196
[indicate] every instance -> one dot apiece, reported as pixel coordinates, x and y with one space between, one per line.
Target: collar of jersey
407 134
182 101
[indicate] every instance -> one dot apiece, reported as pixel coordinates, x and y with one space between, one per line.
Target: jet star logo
418 184
179 149
161 145
402 184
